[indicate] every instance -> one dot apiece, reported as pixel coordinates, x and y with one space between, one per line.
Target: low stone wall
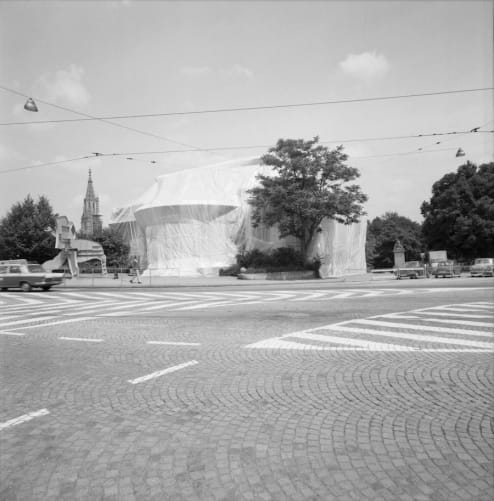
279 275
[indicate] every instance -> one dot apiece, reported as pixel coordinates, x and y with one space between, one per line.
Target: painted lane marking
444 314
154 375
23 418
362 343
26 300
431 328
48 324
96 308
147 294
342 295
484 306
7 333
119 296
203 305
413 337
164 305
77 294
461 310
27 320
315 295
55 308
125 306
449 321
89 340
178 343
278 343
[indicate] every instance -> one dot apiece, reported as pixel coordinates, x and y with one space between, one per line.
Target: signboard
437 257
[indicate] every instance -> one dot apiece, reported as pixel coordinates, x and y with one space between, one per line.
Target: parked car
411 269
19 274
446 269
482 267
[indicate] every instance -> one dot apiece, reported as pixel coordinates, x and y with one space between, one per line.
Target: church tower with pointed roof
91 220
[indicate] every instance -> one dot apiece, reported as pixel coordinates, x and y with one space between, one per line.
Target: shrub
281 259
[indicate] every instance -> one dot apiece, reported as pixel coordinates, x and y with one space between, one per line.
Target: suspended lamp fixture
460 153
30 105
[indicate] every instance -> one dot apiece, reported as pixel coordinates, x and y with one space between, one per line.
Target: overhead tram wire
237 109
104 120
226 148
474 130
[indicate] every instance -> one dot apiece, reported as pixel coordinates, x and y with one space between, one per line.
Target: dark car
447 269
19 274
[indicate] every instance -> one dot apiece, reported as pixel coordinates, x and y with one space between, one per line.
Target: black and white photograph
246 250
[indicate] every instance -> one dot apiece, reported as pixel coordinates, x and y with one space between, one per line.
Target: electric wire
236 109
104 120
129 155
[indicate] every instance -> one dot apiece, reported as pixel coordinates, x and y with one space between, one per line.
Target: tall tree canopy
382 233
114 247
23 232
309 183
459 217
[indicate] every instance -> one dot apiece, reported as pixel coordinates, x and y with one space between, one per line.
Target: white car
19 274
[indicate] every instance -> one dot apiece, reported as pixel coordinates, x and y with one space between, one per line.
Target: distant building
91 220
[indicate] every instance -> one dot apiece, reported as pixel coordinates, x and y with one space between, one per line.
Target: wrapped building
194 222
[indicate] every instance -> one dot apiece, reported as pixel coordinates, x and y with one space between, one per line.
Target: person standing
136 272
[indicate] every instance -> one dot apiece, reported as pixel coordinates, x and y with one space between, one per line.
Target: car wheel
26 287
4 289
46 287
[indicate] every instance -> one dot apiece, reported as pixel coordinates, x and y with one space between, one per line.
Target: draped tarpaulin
195 221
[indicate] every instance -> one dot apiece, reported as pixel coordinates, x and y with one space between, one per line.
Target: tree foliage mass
382 233
309 183
23 231
459 217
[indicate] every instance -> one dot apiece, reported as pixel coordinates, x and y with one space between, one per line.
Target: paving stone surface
241 424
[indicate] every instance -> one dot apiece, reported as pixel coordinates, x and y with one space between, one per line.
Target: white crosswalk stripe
395 332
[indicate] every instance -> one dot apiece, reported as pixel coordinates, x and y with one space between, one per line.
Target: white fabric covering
195 221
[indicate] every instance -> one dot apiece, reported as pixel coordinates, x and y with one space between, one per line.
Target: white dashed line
6 333
153 375
23 418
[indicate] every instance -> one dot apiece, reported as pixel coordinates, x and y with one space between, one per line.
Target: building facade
91 220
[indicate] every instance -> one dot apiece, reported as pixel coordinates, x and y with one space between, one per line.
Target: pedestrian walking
135 271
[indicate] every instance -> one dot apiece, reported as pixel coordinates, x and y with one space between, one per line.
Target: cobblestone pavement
178 408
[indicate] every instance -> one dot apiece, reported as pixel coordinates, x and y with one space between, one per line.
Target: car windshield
35 267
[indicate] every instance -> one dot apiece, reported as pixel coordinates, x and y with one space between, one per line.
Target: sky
120 58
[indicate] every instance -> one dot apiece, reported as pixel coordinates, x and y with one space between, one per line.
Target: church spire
91 221
90 189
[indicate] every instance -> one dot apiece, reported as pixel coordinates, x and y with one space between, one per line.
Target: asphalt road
300 391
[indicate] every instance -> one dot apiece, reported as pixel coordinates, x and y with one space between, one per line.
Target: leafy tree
23 232
116 250
382 233
309 183
459 217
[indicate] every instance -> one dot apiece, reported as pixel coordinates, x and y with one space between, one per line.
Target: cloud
234 71
367 66
237 70
120 3
65 87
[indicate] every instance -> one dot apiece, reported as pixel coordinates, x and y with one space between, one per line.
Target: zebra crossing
469 327
20 311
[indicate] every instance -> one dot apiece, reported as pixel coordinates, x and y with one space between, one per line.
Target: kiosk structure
73 250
